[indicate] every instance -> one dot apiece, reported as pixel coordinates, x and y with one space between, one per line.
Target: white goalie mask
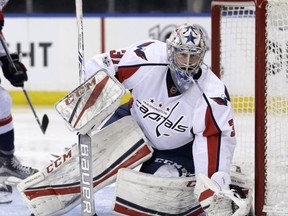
186 48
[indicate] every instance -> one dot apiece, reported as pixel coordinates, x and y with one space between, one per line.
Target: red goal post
250 54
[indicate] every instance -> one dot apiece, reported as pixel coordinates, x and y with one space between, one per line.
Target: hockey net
250 54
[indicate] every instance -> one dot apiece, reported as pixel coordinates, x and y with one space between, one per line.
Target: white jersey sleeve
215 138
142 59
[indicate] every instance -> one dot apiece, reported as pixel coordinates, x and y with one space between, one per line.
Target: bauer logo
86 183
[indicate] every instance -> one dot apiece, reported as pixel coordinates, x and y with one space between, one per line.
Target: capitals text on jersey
163 120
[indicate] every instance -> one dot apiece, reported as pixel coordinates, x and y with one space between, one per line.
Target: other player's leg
9 164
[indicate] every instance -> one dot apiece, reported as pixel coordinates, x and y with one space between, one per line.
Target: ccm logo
59 161
80 91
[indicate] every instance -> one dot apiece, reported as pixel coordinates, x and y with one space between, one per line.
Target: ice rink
33 148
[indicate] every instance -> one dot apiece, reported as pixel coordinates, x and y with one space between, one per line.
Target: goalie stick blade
45 122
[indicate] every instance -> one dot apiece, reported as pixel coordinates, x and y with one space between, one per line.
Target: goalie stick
45 119
84 141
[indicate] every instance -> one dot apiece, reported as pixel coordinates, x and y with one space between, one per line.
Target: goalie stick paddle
45 120
84 142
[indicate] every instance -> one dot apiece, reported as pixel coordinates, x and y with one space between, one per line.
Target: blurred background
44 33
111 6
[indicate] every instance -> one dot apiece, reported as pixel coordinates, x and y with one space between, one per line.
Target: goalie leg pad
56 189
145 194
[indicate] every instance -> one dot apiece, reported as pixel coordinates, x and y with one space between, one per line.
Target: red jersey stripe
6 121
213 142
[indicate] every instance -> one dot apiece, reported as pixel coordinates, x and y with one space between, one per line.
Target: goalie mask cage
250 54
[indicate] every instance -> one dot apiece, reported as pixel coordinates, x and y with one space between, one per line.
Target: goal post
250 54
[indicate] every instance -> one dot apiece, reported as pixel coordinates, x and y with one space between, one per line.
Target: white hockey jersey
202 114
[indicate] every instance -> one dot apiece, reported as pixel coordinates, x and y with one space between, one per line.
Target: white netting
237 62
277 95
237 72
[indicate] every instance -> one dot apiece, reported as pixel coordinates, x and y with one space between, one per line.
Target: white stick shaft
79 17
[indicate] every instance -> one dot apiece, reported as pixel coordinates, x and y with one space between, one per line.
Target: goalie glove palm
212 202
16 77
217 199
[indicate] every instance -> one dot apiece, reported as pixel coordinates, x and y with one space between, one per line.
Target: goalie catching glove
16 75
219 196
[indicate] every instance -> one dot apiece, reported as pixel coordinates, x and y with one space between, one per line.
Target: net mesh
276 196
237 70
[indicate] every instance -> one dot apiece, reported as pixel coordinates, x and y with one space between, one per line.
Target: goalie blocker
56 189
91 103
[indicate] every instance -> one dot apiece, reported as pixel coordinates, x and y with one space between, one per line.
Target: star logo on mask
190 30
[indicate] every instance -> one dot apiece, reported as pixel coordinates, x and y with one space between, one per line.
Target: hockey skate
11 173
11 166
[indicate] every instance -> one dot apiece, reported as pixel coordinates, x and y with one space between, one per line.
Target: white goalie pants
6 123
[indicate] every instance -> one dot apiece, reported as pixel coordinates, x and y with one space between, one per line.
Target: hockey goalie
178 126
